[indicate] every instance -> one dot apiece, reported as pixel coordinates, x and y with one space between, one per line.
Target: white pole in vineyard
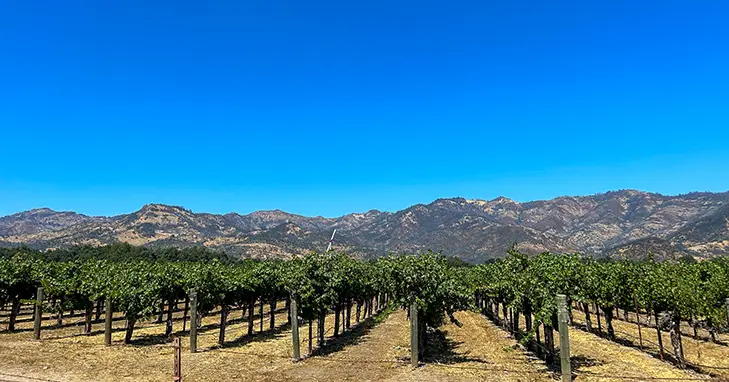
329 247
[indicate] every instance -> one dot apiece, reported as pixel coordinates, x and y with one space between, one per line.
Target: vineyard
456 322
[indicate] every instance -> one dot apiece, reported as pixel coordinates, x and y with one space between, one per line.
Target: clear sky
328 107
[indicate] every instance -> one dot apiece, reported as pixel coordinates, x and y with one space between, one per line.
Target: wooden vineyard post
414 341
38 313
260 313
193 321
97 313
660 336
295 329
637 319
177 372
311 339
272 313
564 338
107 324
185 312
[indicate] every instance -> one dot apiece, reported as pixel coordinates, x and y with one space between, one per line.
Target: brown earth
707 357
597 359
376 350
372 351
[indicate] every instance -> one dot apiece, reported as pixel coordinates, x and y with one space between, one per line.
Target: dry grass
374 353
476 352
480 351
686 328
369 352
597 359
64 354
705 355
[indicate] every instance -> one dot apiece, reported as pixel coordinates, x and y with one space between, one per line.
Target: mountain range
625 223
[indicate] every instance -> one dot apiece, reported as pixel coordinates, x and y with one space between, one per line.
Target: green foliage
122 252
689 289
428 280
137 279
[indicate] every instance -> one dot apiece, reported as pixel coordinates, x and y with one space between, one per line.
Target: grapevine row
141 288
669 291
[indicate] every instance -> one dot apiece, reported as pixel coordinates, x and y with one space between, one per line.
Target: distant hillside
624 223
661 249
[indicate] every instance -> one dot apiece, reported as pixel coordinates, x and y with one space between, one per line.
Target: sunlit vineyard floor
708 357
480 351
65 354
475 352
372 351
597 359
369 352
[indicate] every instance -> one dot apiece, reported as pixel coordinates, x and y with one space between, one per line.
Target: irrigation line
634 337
618 331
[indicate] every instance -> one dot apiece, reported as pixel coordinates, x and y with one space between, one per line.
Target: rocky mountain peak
157 207
40 211
160 214
39 220
504 200
623 222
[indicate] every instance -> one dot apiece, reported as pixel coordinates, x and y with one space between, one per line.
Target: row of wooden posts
379 303
38 314
563 318
674 329
40 296
563 329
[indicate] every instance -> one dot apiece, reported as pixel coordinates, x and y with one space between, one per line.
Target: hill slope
620 223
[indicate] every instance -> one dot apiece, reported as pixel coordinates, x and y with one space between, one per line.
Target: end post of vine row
564 338
193 321
38 313
295 329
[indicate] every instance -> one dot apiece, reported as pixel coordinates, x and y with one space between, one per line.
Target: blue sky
329 107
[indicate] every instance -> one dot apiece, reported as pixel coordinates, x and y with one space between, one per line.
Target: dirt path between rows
480 351
370 353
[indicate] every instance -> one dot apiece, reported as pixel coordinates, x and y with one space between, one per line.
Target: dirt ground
376 350
475 352
597 359
707 357
65 354
480 351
